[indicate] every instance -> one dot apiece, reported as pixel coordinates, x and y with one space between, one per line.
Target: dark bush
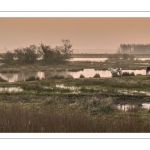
57 77
32 78
128 74
96 75
82 76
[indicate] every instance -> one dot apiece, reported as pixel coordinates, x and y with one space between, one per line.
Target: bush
69 77
96 75
32 78
82 76
128 74
57 77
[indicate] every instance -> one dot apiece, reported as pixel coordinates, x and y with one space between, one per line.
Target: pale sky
87 35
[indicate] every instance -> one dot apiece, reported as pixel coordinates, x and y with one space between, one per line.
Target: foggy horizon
87 35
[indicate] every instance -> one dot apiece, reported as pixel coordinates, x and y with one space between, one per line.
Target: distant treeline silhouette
134 48
33 53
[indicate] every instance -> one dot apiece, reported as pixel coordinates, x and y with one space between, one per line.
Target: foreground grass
17 119
43 107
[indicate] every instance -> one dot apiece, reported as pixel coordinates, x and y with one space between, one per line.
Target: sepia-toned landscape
75 75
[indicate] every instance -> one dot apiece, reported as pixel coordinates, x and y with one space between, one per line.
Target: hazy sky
87 35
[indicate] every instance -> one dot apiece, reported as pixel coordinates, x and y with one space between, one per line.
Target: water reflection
89 59
131 92
90 73
101 59
127 106
142 59
22 76
10 89
62 86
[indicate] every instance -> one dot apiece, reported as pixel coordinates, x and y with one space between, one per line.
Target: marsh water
10 89
101 59
127 106
22 76
89 59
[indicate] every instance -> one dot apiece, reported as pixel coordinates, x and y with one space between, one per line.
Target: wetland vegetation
62 103
75 105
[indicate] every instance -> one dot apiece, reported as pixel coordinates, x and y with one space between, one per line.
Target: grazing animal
115 71
147 70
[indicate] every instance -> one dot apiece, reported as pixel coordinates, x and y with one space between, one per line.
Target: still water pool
22 76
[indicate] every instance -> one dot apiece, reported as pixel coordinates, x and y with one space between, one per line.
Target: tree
58 54
27 54
7 58
47 53
66 49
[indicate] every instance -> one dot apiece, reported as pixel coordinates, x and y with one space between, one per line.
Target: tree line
32 53
134 48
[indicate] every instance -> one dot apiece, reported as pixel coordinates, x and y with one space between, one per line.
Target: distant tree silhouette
135 48
30 55
27 54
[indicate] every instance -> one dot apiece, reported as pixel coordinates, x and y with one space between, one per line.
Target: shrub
96 75
107 108
32 78
128 74
57 77
82 76
69 77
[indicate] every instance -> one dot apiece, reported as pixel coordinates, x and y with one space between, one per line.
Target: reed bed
18 119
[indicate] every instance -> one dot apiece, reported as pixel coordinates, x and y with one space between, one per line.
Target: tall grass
17 119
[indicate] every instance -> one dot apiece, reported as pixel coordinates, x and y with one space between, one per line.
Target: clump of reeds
32 78
16 119
82 76
32 87
57 77
69 77
128 74
96 75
